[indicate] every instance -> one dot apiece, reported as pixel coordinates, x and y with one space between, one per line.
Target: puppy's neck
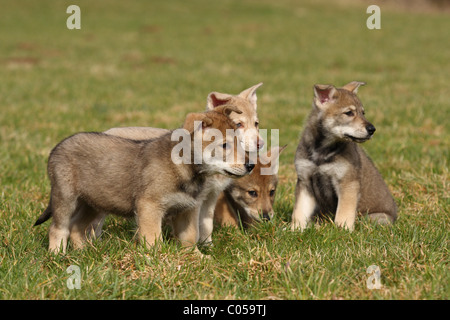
321 145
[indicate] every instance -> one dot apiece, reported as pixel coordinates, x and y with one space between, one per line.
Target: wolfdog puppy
93 173
247 123
334 174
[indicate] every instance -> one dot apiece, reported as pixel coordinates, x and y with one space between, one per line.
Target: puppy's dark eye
239 125
253 193
349 113
256 124
272 192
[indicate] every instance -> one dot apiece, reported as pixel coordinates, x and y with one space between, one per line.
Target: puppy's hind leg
81 224
97 225
59 230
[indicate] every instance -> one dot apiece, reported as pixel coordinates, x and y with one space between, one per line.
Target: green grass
149 63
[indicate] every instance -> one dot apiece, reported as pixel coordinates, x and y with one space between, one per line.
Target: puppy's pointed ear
191 125
250 94
216 99
324 93
280 149
272 157
274 152
353 86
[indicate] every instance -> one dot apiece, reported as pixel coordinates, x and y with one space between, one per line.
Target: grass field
139 63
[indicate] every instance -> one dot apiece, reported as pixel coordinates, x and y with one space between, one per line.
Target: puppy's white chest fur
336 170
216 184
181 201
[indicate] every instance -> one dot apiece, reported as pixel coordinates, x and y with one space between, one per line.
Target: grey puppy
334 174
93 173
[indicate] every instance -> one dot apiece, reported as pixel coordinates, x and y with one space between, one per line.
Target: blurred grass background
141 63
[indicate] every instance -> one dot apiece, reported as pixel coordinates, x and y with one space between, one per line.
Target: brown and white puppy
247 123
93 173
334 173
250 198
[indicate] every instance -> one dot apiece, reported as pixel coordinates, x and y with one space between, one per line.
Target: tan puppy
334 174
248 199
247 124
93 173
247 121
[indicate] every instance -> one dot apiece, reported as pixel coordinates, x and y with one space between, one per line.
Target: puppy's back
98 168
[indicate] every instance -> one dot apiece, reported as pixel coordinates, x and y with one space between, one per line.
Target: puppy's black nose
370 129
249 166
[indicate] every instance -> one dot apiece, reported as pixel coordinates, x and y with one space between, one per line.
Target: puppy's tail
47 214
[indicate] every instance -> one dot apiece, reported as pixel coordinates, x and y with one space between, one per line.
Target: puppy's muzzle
370 129
249 167
266 217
